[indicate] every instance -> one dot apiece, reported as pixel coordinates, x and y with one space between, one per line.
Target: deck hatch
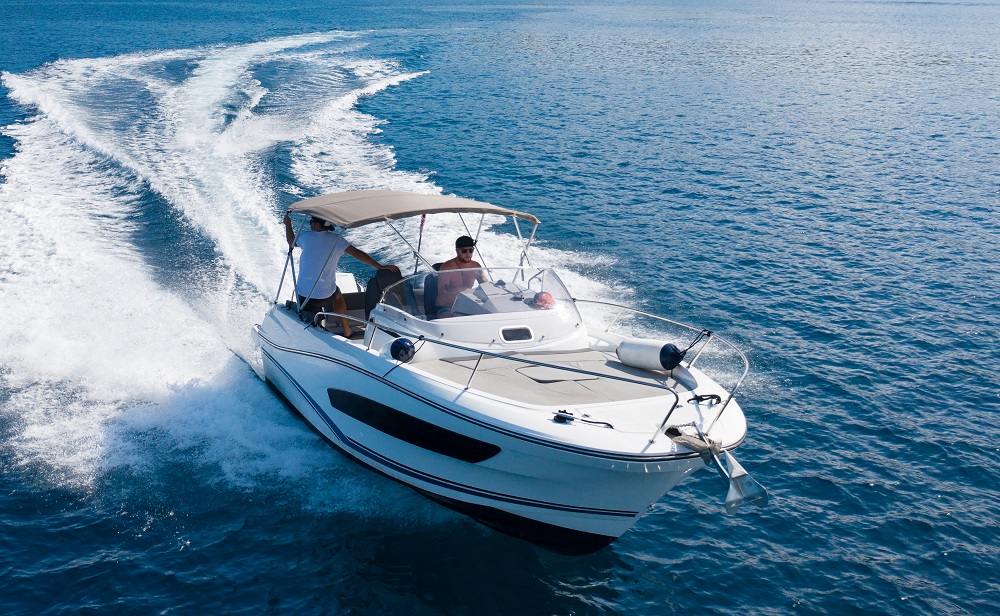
411 429
516 334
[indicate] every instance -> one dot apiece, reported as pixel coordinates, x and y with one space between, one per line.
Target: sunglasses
466 250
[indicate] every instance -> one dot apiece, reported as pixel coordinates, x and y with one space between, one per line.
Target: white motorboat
513 408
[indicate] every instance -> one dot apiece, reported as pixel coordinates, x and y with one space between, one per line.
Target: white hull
541 485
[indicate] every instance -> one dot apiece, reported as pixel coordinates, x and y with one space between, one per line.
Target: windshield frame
505 290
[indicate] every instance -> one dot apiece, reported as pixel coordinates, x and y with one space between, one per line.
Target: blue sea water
816 180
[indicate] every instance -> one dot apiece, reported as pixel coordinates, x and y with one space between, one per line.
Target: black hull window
411 429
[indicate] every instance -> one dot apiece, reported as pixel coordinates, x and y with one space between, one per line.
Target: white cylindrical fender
649 354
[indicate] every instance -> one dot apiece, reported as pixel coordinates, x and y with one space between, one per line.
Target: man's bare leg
340 305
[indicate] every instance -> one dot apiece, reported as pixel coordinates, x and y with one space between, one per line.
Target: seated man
322 247
453 283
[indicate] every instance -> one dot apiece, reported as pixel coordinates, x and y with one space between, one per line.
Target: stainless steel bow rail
706 339
480 354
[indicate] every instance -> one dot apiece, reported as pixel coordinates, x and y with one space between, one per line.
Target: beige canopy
361 207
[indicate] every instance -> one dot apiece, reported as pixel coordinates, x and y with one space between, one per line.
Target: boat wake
142 241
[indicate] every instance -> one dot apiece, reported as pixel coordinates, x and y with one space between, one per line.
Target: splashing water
143 205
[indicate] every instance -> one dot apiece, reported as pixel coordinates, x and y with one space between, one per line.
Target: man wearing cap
321 250
450 285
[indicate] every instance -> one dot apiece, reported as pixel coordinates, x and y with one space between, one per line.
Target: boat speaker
402 350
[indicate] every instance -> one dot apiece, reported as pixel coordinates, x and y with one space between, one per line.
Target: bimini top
357 208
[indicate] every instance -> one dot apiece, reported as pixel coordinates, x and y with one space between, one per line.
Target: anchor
742 487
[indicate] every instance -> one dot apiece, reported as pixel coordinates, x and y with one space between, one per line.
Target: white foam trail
107 369
110 371
86 332
186 146
336 152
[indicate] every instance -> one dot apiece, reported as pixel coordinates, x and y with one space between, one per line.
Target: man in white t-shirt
321 246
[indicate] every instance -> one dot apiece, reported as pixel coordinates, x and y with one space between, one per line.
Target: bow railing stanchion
670 412
746 371
614 321
468 384
708 339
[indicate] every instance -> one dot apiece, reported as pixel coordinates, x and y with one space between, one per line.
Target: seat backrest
376 287
430 295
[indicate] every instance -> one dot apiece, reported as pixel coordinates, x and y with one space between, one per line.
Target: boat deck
544 385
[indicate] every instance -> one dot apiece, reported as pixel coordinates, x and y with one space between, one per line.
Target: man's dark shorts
319 305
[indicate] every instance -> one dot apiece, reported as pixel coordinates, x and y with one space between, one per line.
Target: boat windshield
478 291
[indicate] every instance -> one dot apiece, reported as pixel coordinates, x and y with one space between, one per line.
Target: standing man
451 284
322 247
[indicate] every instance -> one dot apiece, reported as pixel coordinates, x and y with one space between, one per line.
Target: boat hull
555 538
449 444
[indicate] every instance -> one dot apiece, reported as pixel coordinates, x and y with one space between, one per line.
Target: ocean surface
817 181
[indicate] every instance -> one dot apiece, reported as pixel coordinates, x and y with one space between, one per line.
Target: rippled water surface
817 181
